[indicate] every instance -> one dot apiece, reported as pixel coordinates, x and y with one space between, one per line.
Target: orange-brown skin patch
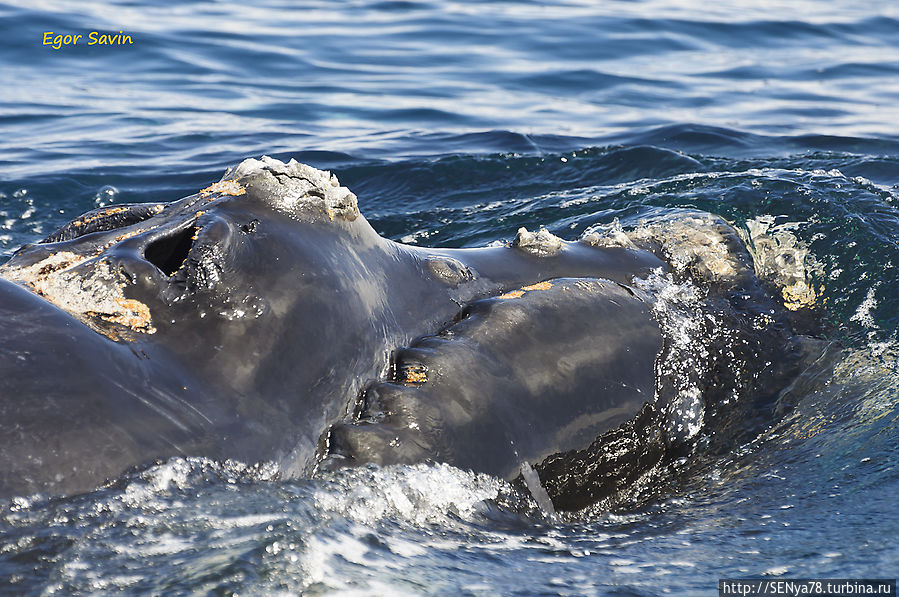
97 216
224 187
538 286
133 315
66 261
127 235
512 295
118 239
520 293
415 374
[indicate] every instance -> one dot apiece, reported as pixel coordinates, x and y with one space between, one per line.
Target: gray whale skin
263 319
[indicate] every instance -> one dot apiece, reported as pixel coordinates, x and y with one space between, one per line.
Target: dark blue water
455 123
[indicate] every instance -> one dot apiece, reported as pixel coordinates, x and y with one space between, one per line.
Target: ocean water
456 123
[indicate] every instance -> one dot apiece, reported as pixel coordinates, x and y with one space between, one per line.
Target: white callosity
697 245
296 189
692 244
780 257
543 243
84 287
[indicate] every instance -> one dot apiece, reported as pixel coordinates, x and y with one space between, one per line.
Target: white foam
418 493
317 558
180 473
863 313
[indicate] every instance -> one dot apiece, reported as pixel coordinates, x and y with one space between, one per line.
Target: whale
264 319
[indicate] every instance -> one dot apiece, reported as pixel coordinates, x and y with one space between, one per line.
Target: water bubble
106 195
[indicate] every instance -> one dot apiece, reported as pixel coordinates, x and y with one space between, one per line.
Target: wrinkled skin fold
264 319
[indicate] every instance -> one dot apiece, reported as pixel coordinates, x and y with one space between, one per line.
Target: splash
685 359
418 494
